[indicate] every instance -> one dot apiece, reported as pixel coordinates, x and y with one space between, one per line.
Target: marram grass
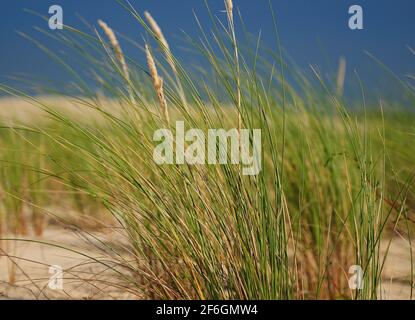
334 182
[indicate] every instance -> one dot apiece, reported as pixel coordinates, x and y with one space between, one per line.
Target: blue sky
312 31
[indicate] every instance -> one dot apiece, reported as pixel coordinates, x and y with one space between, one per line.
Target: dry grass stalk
341 75
157 83
116 47
229 11
156 29
118 53
166 49
160 37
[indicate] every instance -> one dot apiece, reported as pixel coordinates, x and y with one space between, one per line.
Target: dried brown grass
157 83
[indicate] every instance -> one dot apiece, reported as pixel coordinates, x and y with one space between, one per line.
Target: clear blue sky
312 31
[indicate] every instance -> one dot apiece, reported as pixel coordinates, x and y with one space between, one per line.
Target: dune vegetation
336 177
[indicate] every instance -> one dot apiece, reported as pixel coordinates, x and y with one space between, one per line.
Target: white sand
34 259
29 262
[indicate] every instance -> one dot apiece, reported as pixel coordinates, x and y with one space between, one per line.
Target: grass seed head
157 30
341 76
160 37
116 47
157 82
229 8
